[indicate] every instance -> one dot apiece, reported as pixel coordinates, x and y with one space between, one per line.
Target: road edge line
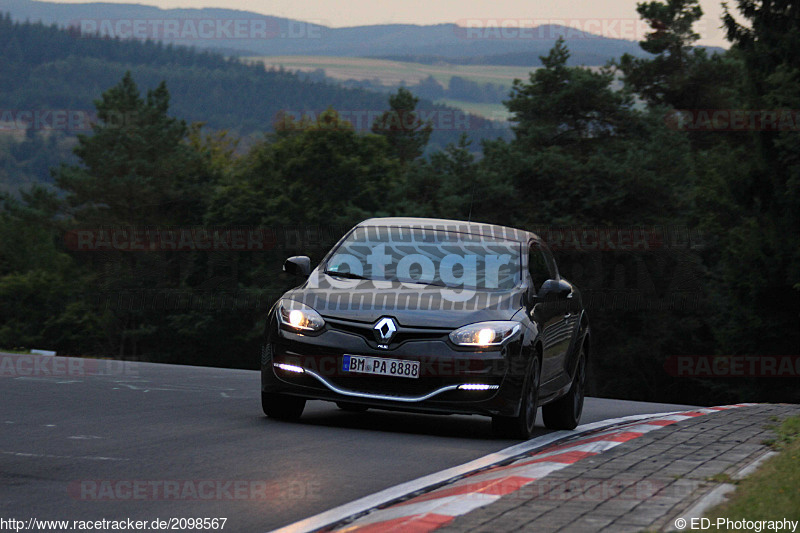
398 492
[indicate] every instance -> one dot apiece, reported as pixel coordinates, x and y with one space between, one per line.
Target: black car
433 316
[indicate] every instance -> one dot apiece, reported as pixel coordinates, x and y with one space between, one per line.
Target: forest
692 154
47 68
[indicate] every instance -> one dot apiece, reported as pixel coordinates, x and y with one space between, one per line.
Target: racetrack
68 438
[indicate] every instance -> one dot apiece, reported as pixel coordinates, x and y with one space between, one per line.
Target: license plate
380 366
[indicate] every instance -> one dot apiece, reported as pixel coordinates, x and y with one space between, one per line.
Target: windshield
427 256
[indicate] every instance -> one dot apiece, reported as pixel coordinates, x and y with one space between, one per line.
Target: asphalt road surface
82 439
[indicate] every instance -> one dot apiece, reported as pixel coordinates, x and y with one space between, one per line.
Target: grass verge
773 491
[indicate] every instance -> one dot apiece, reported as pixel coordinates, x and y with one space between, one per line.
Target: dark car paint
553 328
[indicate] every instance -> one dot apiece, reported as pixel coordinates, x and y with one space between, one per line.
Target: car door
546 313
566 308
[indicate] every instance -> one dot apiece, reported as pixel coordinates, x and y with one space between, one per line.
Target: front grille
404 334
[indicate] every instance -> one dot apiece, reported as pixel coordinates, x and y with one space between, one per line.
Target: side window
538 266
551 262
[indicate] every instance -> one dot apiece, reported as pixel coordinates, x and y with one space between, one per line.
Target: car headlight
299 316
484 333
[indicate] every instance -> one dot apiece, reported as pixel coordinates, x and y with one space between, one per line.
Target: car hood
413 305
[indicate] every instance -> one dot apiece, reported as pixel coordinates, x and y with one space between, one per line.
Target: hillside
57 72
476 89
267 35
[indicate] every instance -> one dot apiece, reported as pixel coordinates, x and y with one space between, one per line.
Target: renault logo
385 329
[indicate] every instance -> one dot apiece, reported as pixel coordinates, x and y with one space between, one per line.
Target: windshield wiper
420 282
348 275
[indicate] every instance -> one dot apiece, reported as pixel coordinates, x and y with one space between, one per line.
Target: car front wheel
281 406
565 413
521 426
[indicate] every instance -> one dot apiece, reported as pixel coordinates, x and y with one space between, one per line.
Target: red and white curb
482 481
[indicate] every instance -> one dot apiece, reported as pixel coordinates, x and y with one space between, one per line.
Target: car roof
461 226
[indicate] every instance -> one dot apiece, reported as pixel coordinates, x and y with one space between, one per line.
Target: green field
393 72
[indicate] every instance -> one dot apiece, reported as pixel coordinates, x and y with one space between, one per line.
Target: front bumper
443 371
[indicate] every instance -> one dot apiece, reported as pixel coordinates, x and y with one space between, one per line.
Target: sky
611 18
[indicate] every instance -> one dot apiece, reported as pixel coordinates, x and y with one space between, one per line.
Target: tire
281 406
351 407
565 413
521 426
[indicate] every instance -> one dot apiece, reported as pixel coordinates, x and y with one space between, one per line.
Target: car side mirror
554 290
298 265
546 291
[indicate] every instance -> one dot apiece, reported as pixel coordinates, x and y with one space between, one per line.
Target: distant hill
47 67
248 33
51 76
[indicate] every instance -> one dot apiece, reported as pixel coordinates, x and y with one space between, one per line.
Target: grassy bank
773 491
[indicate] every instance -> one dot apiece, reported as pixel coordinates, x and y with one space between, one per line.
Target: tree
441 186
429 88
138 171
562 106
308 183
769 45
135 168
313 171
40 285
406 133
759 261
584 153
679 75
584 157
